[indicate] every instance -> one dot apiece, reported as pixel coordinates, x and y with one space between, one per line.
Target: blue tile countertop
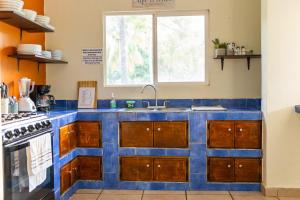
111 151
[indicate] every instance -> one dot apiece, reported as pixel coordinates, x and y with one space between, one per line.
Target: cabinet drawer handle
148 165
148 129
241 130
158 166
229 130
228 166
159 129
240 166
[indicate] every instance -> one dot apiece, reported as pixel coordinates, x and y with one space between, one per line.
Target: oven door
16 175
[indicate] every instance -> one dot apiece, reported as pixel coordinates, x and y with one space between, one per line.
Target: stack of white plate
30 14
29 49
47 54
57 54
11 5
42 19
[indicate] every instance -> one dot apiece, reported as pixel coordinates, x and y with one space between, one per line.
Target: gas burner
8 118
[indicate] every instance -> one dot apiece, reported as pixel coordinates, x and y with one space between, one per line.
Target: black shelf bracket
18 63
21 34
222 63
248 62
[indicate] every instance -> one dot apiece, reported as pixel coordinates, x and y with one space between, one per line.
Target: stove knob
23 130
30 128
17 132
44 124
38 126
48 124
9 134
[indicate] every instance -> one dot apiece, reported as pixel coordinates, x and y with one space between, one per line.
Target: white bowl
11 5
47 54
29 48
30 14
42 19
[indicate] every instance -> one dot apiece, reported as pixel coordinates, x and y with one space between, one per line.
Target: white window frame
154 70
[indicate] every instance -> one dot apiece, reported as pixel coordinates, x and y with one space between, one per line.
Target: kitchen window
155 48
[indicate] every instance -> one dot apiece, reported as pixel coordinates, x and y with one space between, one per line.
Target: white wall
280 92
79 25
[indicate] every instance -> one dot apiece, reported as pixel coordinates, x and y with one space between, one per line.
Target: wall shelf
247 57
16 19
36 58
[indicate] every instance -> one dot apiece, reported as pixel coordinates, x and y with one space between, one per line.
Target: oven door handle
26 140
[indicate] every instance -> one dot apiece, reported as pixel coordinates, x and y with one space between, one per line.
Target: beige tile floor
170 195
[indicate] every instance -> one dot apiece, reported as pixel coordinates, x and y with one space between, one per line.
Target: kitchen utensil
25 103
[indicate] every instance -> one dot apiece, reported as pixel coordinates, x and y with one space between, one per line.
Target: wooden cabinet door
136 169
64 140
136 134
247 170
89 134
65 178
170 134
90 168
73 135
75 167
221 134
170 169
248 134
220 169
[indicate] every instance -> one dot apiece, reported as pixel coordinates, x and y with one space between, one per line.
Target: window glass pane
129 49
181 48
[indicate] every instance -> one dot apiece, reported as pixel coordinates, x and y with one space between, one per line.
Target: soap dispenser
113 103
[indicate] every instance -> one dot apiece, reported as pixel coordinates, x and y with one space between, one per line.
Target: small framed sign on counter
153 3
92 56
87 94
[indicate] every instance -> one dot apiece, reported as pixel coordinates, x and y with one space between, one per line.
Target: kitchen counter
110 152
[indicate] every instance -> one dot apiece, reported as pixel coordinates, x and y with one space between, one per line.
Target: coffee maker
43 100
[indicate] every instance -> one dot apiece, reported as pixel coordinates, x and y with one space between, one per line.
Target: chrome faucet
155 93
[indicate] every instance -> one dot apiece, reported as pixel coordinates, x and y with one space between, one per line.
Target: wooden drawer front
221 169
221 134
170 169
89 134
64 140
90 168
73 131
136 169
136 134
65 178
248 134
75 171
171 134
247 170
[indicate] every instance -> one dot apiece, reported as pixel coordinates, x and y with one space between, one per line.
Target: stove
17 131
16 127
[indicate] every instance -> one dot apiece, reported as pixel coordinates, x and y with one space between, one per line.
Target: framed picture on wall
87 94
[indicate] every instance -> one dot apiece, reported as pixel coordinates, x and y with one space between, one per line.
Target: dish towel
39 158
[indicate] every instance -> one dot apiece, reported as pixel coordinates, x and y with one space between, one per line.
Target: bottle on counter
113 103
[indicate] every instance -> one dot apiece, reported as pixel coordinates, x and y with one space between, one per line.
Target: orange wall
9 39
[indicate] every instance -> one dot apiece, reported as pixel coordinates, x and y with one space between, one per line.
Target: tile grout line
231 196
143 194
98 198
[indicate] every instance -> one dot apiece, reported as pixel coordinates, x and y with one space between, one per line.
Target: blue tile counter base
110 153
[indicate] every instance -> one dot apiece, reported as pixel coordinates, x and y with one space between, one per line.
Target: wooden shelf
18 20
37 58
248 57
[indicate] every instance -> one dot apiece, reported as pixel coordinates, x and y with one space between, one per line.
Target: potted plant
220 48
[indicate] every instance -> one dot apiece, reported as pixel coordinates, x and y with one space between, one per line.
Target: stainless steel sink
154 109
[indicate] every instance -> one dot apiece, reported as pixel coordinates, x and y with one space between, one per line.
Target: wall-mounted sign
153 3
92 56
